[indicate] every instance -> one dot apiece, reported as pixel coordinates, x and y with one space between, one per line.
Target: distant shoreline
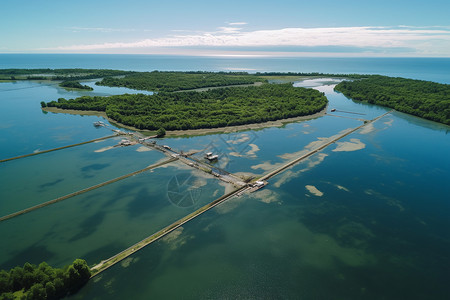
193 132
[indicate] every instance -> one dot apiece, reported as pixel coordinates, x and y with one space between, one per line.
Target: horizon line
226 55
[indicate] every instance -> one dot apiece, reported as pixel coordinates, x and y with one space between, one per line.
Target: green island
58 74
425 99
178 81
75 85
43 281
208 109
230 107
165 81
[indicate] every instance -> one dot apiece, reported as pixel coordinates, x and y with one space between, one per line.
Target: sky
394 28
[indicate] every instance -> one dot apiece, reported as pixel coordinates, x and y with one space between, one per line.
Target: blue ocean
432 69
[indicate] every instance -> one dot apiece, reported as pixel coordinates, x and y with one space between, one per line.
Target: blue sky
277 28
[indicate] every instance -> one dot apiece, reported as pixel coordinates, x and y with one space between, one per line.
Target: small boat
99 123
333 109
257 185
125 142
210 156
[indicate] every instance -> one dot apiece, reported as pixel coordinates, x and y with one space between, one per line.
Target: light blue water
368 221
258 151
36 179
25 128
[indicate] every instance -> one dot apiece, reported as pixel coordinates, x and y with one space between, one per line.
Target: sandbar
313 190
353 145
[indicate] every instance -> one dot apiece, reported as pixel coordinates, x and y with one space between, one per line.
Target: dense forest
177 81
209 109
310 74
75 85
156 80
424 99
43 281
58 74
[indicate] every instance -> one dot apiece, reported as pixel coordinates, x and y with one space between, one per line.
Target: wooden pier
30 209
55 149
297 160
105 264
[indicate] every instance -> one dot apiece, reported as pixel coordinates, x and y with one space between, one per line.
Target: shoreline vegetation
75 85
158 81
424 99
58 74
192 132
43 281
215 108
133 77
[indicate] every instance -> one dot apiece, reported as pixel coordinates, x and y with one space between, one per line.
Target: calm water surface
434 69
40 178
98 224
366 218
376 226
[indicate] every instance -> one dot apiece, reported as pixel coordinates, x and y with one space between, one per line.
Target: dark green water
100 223
36 179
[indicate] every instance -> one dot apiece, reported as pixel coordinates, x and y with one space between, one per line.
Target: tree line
168 81
209 109
134 78
311 74
59 74
425 99
43 281
177 81
75 85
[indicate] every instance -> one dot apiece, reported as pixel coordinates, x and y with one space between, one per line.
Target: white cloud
424 27
421 41
237 23
229 29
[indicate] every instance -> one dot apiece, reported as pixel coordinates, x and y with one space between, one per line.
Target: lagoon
367 217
